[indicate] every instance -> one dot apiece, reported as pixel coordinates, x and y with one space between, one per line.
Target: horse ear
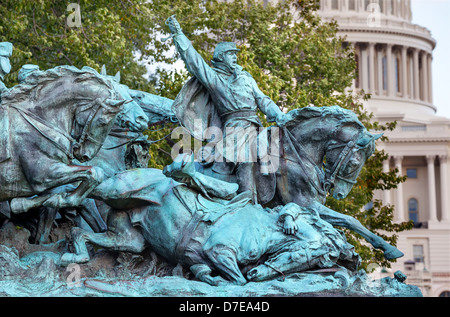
377 136
366 138
103 72
117 77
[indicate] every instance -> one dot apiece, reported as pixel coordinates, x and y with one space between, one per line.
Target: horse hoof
393 253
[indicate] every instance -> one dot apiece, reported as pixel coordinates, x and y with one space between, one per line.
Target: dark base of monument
28 270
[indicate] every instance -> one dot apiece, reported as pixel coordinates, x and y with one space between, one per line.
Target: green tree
109 33
296 58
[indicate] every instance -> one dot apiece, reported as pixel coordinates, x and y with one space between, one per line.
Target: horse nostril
85 158
142 121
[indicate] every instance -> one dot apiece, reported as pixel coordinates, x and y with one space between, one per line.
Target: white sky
435 16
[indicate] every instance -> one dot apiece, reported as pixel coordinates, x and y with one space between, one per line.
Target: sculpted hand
282 119
173 24
289 226
182 166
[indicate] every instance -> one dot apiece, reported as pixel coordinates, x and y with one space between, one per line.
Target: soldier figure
229 100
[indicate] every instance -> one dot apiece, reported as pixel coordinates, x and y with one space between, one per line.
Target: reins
26 115
29 116
327 181
289 135
338 164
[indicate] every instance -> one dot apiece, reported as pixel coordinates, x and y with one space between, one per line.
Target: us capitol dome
394 59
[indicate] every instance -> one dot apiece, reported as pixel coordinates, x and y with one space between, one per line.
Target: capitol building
394 59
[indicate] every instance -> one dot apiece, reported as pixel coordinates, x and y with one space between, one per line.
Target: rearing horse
54 117
125 147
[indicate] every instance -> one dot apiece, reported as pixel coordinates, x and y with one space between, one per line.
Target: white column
390 71
416 74
363 69
431 189
372 67
425 76
343 6
445 212
404 72
380 72
386 192
399 210
430 79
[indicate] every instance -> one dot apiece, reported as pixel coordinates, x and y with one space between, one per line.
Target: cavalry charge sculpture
72 141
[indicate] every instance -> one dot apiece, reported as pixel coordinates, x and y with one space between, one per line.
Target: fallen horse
212 234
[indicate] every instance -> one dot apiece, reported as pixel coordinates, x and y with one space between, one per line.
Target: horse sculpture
127 147
55 117
124 147
126 133
210 234
188 226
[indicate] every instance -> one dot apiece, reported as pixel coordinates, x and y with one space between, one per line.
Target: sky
435 16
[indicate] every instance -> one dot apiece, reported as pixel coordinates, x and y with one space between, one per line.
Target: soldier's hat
224 47
26 70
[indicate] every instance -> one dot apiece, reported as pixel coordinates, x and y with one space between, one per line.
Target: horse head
132 116
92 127
74 109
158 109
333 135
345 161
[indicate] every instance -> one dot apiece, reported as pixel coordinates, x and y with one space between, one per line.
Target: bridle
121 133
328 177
343 157
85 132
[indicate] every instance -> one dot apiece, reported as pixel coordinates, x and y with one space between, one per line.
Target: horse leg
338 219
121 236
284 263
89 212
46 217
60 175
90 176
224 259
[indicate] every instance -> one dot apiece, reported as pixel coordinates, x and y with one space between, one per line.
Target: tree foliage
109 34
296 58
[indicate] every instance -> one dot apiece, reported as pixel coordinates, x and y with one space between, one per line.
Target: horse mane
29 88
343 116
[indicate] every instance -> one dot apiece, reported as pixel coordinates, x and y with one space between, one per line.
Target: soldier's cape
196 112
195 109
